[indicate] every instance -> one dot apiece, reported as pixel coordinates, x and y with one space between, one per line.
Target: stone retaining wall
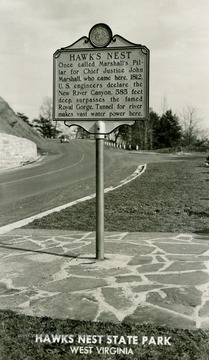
15 151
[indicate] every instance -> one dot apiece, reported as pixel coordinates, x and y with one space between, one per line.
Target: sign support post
99 137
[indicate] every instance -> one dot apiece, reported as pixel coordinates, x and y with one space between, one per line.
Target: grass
18 334
168 197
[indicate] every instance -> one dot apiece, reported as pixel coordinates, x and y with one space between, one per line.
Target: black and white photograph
104 180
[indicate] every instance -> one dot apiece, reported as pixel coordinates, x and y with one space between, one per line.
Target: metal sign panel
108 83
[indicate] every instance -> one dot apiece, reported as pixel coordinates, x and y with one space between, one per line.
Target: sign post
99 127
101 82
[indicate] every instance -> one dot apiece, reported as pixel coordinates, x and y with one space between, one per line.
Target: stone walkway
146 277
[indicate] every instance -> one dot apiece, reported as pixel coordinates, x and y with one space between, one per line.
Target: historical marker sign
101 78
101 82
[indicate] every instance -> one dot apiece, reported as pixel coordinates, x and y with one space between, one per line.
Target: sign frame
85 45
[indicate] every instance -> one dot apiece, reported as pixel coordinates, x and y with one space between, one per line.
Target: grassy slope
168 197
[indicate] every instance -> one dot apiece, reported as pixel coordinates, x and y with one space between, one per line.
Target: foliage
157 132
154 118
166 130
133 135
138 134
81 133
46 112
24 118
192 136
45 127
123 133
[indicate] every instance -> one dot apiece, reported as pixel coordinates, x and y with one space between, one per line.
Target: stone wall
15 151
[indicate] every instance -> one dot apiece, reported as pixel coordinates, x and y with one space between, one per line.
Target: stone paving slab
159 278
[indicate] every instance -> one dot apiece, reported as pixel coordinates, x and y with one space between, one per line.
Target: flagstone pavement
159 278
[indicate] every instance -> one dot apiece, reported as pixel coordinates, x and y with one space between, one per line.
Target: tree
154 118
24 118
122 132
45 127
46 112
82 133
191 127
166 130
164 105
46 108
138 134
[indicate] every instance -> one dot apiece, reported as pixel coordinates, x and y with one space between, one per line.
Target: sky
175 31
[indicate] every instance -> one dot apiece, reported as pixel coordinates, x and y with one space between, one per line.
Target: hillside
11 124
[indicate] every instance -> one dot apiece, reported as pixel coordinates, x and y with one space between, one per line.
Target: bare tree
46 108
164 105
191 125
46 111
